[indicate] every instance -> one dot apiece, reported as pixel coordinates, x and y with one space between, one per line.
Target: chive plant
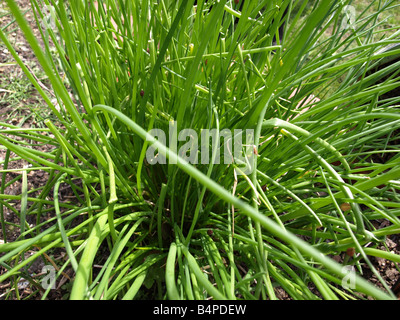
323 170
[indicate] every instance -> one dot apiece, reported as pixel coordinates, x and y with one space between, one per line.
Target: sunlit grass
199 231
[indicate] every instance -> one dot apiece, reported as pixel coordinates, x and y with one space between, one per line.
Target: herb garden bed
170 232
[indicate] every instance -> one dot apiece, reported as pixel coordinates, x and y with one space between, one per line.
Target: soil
20 111
19 115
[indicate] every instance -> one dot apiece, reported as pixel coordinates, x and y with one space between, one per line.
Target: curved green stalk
80 288
170 273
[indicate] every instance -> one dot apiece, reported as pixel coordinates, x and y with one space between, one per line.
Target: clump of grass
313 192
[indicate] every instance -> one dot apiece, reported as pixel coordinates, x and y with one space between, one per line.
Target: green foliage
324 168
